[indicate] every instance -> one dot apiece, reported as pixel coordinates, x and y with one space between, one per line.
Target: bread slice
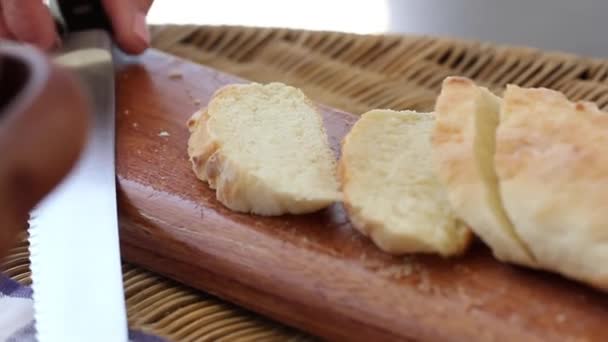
463 149
264 149
391 193
552 164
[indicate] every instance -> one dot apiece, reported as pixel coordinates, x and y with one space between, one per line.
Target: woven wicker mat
351 72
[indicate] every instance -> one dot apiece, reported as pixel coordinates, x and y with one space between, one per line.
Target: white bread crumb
175 74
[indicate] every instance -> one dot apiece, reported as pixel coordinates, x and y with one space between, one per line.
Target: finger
4 32
129 23
30 21
41 136
143 5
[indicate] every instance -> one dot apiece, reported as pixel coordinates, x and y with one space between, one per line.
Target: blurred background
565 25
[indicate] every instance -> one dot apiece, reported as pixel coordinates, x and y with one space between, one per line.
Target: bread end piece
553 168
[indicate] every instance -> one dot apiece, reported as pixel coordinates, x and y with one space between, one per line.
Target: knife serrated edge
53 282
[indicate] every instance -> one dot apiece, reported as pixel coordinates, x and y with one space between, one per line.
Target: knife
74 244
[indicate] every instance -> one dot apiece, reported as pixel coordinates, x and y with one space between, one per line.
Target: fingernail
141 28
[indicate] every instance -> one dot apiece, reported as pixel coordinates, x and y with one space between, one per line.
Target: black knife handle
80 15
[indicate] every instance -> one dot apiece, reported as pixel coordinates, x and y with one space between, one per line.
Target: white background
571 25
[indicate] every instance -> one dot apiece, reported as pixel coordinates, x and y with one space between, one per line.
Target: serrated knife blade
74 243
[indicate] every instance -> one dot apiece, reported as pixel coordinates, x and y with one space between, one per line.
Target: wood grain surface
314 271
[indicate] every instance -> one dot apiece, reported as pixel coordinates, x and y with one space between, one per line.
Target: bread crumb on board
373 264
397 271
135 124
196 101
470 303
408 267
163 134
424 283
560 318
175 74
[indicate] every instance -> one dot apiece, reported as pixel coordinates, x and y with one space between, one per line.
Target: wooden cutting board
313 272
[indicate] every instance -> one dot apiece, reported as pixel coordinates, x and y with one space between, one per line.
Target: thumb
29 21
128 19
43 120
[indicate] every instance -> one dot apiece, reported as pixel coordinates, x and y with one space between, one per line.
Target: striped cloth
17 315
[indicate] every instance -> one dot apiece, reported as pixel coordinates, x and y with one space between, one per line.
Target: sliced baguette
390 190
552 165
463 148
264 149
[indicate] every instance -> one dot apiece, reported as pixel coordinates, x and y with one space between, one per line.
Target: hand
43 120
30 21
